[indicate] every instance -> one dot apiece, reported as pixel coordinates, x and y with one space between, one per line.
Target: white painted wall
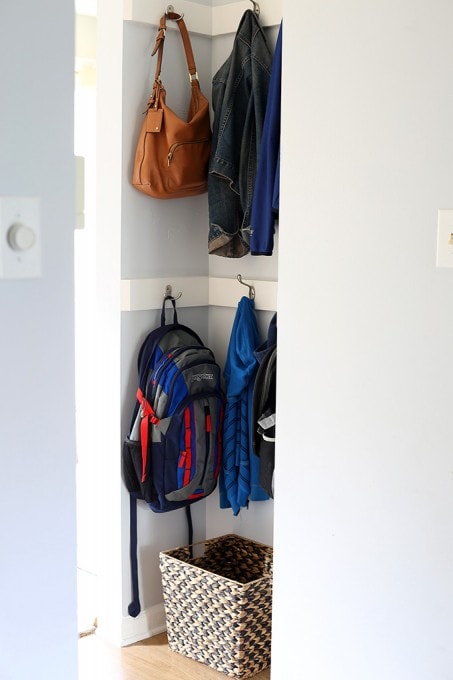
38 633
364 501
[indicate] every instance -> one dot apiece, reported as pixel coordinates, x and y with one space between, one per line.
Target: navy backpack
172 454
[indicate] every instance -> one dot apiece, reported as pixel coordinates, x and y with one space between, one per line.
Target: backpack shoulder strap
189 528
134 607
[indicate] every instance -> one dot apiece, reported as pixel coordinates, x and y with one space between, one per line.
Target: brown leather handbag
172 155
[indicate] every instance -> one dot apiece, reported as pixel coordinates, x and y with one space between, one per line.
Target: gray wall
38 632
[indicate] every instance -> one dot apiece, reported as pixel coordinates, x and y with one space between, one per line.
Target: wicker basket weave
219 604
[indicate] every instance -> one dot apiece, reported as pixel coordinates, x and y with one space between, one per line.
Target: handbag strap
159 47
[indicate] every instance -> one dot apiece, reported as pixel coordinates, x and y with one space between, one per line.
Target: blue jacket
239 474
266 195
239 96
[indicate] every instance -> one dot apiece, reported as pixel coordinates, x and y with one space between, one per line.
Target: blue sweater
239 474
266 195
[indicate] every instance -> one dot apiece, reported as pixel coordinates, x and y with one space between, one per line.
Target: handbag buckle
193 76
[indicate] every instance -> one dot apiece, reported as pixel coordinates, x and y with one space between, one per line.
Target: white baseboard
149 622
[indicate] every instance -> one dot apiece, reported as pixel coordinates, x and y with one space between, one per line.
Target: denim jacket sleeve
239 96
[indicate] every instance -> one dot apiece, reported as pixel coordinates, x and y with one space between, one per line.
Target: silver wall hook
251 288
256 7
168 293
171 10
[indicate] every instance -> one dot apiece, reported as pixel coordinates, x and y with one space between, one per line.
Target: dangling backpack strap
134 607
189 528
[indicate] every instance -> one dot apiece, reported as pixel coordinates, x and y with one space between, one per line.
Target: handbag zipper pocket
176 145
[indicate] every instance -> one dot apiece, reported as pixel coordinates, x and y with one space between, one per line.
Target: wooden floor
150 659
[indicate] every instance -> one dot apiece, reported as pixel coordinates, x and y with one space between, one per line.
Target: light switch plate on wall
444 238
20 239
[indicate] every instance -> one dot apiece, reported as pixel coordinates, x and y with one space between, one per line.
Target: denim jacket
239 96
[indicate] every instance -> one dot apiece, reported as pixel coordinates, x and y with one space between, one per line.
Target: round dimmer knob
21 237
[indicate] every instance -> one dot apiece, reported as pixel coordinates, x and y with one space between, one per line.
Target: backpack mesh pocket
132 471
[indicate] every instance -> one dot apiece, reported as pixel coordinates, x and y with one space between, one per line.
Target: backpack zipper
185 461
208 431
174 146
186 458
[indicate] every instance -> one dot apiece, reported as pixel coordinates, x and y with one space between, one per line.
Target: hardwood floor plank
150 658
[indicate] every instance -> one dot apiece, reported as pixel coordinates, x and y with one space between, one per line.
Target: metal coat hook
256 8
251 288
168 293
171 10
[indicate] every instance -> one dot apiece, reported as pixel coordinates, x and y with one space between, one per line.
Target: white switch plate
15 264
444 236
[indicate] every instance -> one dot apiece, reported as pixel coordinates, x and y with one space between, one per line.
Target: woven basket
218 603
